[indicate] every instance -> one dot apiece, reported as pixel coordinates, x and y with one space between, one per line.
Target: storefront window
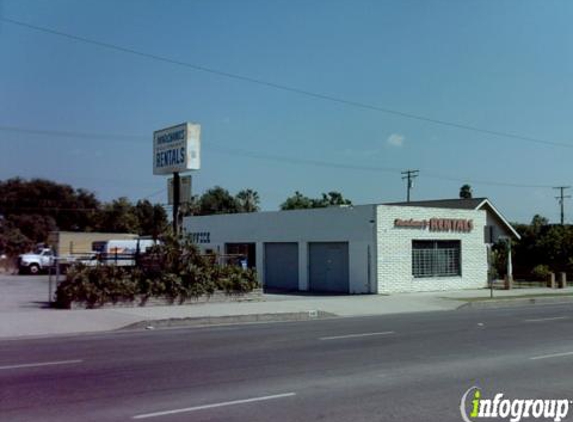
241 254
436 258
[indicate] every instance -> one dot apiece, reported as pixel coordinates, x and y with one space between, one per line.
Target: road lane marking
383 333
547 319
555 355
215 405
39 364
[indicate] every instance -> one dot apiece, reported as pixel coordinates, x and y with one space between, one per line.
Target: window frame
435 258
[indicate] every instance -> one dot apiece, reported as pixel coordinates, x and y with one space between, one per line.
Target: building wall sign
410 224
177 149
201 237
437 224
451 225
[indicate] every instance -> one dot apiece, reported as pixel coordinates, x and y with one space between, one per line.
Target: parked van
124 252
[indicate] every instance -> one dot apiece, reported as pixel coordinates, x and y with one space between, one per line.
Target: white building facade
357 249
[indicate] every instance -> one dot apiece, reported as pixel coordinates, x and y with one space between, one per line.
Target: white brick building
418 246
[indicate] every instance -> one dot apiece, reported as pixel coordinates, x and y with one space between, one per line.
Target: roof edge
500 216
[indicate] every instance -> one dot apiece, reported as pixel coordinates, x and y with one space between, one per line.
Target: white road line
39 364
547 319
211 406
555 355
383 333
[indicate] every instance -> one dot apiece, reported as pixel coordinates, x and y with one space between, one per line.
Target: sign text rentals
177 149
437 224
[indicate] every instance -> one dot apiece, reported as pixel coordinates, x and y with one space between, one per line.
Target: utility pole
561 198
410 175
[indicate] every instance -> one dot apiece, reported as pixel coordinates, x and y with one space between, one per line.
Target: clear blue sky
497 65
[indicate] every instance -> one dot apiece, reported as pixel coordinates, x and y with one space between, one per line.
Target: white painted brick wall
394 265
354 225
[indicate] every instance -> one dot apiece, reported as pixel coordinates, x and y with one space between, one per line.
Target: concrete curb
514 302
230 319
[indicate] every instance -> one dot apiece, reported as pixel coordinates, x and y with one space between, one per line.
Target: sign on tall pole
184 190
177 149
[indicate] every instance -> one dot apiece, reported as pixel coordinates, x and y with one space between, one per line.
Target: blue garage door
328 267
281 266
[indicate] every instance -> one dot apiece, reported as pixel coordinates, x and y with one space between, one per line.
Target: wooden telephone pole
561 198
410 175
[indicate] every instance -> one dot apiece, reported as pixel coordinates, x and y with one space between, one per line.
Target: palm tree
466 192
248 200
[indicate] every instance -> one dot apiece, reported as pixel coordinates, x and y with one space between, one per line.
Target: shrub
174 270
540 272
95 286
235 279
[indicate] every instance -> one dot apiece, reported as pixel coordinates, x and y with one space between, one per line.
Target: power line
219 148
330 164
483 182
151 195
287 88
70 134
24 208
13 207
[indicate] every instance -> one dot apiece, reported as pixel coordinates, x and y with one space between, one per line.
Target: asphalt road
412 367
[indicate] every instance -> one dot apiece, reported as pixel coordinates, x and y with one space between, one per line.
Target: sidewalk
30 316
53 321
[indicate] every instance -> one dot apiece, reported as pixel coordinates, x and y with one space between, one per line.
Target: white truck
119 252
123 252
35 262
41 259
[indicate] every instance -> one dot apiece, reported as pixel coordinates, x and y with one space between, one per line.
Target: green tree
118 216
554 247
297 201
152 219
248 201
331 199
537 223
192 207
543 244
35 227
466 192
12 240
29 210
300 201
50 203
217 201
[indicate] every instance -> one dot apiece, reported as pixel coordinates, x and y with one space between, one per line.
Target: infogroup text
474 407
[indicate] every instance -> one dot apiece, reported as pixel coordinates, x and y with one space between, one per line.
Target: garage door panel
281 266
328 267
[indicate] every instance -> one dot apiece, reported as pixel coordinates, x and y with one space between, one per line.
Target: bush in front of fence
174 270
540 272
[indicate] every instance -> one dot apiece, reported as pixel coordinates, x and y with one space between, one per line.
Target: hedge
173 270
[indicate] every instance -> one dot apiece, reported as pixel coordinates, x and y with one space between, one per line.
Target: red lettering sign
437 224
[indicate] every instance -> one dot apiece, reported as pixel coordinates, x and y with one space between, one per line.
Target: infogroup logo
474 406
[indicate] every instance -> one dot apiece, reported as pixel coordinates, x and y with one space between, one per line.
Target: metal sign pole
50 284
176 200
57 259
490 269
177 149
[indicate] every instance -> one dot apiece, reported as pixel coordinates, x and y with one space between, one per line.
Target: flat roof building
401 247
